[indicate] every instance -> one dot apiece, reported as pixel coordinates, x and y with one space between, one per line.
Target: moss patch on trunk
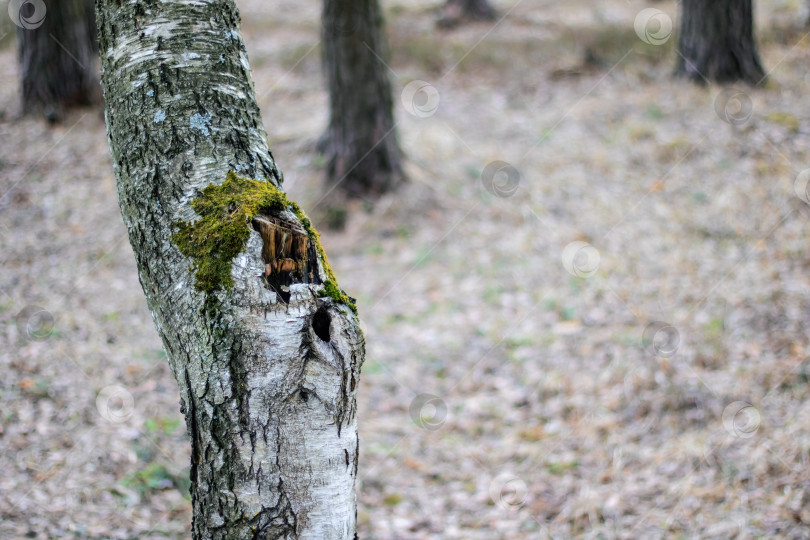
226 211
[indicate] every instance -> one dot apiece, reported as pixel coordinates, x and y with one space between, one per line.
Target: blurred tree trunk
57 59
267 380
363 157
717 42
456 11
90 14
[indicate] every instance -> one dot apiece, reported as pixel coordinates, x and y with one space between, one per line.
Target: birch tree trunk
363 157
716 42
265 348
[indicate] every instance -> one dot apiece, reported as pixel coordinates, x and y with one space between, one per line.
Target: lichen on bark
226 211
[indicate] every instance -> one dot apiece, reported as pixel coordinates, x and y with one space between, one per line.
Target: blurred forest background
611 344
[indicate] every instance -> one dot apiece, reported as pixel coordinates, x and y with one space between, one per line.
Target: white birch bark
269 401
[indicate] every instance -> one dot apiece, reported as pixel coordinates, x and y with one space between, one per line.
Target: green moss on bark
330 286
226 211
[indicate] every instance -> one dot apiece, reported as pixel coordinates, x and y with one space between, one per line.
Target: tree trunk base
457 12
723 67
717 43
362 172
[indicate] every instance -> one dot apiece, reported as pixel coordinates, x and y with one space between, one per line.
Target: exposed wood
288 253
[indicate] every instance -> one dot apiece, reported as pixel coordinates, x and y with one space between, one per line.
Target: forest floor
617 348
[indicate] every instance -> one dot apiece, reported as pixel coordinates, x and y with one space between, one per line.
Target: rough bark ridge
267 384
57 59
717 42
360 144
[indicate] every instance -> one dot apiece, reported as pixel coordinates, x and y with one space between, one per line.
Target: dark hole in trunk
320 324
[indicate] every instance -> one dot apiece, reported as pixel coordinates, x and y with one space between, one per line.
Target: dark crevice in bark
717 44
356 456
193 433
238 372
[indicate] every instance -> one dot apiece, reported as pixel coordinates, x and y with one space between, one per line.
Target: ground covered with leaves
585 314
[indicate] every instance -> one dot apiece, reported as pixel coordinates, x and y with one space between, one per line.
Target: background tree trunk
362 155
57 59
717 42
90 15
455 11
267 383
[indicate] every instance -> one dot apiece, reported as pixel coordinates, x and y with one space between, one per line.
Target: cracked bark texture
57 59
363 157
267 387
716 42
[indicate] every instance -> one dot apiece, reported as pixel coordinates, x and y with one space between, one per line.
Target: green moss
784 119
392 499
222 232
330 286
331 289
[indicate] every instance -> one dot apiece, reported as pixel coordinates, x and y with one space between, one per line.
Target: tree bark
455 11
90 21
267 373
717 42
57 59
363 157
